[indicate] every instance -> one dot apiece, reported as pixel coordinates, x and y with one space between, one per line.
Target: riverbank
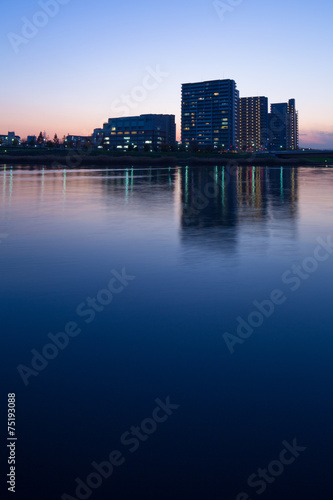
76 159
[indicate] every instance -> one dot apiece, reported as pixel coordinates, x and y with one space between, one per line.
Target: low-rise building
77 141
142 132
10 139
31 140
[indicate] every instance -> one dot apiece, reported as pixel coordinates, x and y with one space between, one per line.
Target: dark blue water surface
207 248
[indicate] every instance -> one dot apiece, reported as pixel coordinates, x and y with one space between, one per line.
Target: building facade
31 140
144 132
253 123
283 126
292 126
77 141
210 114
10 139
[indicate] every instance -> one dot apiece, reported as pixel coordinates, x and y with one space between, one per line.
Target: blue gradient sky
67 78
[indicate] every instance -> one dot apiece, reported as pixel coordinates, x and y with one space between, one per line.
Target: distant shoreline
77 159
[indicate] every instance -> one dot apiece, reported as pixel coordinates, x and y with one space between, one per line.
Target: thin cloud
316 139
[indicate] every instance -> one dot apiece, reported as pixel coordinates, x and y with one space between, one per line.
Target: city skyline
240 123
64 79
180 129
213 117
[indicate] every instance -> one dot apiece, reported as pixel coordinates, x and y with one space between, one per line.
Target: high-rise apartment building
292 125
283 126
253 123
210 114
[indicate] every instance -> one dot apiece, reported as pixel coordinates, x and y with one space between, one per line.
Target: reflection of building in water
123 184
251 192
212 204
283 201
143 184
283 187
208 197
235 199
261 188
208 207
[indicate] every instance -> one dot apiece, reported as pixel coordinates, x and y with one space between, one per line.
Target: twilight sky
93 60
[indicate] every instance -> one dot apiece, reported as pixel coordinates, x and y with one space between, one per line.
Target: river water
180 316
